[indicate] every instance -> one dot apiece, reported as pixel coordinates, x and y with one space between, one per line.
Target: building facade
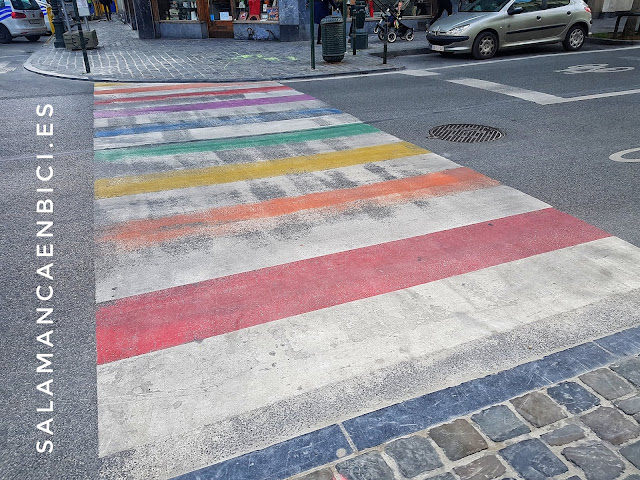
283 20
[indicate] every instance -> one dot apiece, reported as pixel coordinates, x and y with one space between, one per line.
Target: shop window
220 10
256 10
177 10
410 8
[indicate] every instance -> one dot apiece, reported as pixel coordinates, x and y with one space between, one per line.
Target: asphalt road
558 153
74 425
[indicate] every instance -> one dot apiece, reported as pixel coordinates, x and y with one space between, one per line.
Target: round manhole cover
465 133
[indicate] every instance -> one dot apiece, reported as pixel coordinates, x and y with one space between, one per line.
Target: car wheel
485 46
32 38
409 36
5 35
391 37
574 39
381 36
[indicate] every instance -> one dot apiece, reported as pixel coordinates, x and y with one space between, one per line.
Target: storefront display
177 10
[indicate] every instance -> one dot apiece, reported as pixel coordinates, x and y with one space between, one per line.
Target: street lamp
58 25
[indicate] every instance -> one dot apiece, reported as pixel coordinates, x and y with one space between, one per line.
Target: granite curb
93 78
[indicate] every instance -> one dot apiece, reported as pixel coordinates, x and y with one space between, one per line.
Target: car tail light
18 15
587 9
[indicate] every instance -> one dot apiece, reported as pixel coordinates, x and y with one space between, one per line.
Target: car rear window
25 5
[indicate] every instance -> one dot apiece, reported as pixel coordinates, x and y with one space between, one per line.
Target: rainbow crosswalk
261 252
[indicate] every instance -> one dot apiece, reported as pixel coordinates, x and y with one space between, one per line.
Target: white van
44 7
21 18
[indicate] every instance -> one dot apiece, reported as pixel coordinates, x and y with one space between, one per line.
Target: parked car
44 6
21 18
485 26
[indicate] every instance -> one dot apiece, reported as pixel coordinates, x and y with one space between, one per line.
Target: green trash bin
332 38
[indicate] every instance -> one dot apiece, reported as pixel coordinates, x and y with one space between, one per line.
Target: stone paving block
414 455
538 409
635 476
575 477
368 466
325 474
607 383
611 425
630 405
596 460
499 423
485 468
533 460
574 397
629 369
632 453
443 476
564 435
458 439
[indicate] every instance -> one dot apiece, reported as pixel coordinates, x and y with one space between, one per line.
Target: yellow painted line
157 182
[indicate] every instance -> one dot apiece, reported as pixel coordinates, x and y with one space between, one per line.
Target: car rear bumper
18 29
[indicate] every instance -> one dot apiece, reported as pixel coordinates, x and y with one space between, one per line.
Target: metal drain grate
465 133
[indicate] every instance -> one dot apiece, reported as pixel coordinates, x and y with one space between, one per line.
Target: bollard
386 32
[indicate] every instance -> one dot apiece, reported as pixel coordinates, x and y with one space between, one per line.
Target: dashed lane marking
531 95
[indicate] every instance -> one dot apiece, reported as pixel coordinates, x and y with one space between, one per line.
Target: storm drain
465 133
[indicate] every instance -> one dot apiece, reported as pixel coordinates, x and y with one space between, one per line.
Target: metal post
313 36
344 23
58 26
352 33
386 31
83 45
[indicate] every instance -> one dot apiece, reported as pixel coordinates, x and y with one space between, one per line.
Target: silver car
484 26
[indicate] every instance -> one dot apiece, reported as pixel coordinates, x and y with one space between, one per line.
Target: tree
630 26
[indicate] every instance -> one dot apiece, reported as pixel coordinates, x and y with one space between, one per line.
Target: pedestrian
321 9
107 8
443 5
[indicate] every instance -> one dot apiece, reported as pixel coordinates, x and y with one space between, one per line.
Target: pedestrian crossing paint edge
105 88
199 93
120 186
136 325
200 146
125 112
141 233
216 121
223 132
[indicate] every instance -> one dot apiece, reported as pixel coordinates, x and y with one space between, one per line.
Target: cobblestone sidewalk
122 56
583 428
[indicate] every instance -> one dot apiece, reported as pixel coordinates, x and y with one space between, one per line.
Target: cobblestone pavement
582 428
122 56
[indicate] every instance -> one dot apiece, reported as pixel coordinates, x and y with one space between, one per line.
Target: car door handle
539 18
568 13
